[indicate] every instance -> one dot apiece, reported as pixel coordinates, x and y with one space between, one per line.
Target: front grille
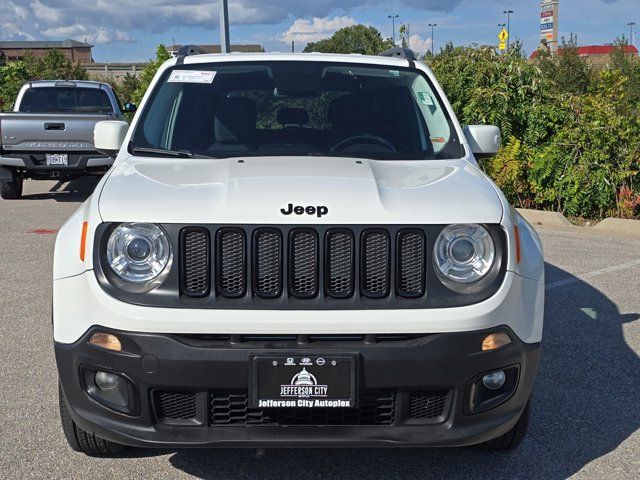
231 263
375 264
176 405
304 263
340 250
196 278
268 263
428 404
375 407
411 264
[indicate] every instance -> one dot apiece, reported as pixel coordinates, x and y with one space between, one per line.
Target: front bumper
208 368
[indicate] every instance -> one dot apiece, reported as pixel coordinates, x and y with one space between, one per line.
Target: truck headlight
464 253
138 252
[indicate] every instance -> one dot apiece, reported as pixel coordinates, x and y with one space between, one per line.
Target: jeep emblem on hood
319 211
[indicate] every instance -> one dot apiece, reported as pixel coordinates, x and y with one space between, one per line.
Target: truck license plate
303 381
57 159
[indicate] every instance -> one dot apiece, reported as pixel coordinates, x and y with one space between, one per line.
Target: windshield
65 100
296 108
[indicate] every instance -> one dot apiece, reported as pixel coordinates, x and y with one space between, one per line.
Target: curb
619 225
543 217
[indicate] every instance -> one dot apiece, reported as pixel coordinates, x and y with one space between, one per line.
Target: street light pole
631 24
433 26
393 26
225 47
508 14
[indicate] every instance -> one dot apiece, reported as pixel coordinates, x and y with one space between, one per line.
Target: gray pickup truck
49 133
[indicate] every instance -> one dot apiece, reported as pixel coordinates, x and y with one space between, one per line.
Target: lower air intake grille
195 276
340 264
268 261
411 253
428 404
231 263
375 264
304 264
376 407
176 405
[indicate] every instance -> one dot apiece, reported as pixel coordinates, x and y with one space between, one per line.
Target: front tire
82 441
512 438
11 190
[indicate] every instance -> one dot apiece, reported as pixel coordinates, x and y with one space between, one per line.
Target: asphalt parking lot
586 411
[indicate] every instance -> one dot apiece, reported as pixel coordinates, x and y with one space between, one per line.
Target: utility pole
631 39
225 47
508 14
393 27
433 26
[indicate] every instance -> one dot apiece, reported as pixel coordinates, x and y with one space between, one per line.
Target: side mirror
109 135
129 107
484 140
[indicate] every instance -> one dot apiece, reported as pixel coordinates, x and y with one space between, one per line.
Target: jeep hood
253 190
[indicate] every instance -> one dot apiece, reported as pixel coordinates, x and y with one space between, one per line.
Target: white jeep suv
296 250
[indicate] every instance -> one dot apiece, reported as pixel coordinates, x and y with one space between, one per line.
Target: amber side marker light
83 240
106 341
516 230
495 341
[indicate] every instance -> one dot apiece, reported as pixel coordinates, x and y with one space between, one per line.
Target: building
597 55
77 52
116 71
173 49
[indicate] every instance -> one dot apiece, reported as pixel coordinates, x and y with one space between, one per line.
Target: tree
162 55
355 39
568 72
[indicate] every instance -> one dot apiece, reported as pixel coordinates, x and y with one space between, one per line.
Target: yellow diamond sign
503 35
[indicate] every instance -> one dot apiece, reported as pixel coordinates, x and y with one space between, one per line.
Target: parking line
595 273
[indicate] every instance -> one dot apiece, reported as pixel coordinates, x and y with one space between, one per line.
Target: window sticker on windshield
425 98
191 76
395 73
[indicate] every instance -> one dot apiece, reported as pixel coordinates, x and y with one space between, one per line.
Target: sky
130 30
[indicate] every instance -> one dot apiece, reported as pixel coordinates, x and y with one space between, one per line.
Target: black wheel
11 190
81 441
512 438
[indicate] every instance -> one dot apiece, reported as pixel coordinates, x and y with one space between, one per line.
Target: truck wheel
82 441
512 438
11 190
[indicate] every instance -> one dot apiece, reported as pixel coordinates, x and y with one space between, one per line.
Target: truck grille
304 263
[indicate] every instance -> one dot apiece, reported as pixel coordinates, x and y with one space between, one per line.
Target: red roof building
596 54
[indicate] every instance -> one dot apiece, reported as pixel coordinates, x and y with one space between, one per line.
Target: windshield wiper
169 153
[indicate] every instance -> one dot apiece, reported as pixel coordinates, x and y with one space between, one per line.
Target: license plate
57 159
304 381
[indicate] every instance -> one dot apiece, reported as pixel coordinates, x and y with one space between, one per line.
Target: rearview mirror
109 135
484 140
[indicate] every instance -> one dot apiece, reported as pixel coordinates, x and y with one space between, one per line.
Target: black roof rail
398 52
187 50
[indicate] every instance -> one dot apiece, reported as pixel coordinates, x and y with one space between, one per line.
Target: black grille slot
176 405
428 405
196 277
411 264
340 264
268 263
375 263
231 271
375 407
303 249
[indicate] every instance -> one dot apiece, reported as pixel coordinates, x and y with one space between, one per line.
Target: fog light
106 341
494 341
106 381
494 381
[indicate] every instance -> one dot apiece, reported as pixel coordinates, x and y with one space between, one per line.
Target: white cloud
419 45
313 30
45 13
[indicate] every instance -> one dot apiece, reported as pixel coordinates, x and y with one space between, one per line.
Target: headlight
138 252
464 253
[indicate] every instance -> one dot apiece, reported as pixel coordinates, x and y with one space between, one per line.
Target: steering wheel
363 138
